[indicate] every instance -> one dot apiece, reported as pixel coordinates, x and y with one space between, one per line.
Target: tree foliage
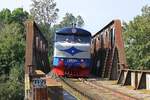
13 87
18 15
5 16
44 11
137 40
12 46
70 19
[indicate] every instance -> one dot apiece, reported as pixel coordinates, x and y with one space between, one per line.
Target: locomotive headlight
82 60
62 59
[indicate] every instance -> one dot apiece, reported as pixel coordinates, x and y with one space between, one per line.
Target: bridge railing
139 79
36 61
36 54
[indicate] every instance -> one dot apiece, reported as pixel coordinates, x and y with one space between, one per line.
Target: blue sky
96 13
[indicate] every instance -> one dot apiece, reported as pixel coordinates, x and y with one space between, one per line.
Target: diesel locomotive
72 55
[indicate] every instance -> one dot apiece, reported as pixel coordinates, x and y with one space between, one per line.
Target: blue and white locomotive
72 52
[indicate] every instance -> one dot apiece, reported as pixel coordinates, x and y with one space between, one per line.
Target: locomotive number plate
71 60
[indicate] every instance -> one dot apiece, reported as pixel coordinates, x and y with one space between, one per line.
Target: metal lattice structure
107 50
36 56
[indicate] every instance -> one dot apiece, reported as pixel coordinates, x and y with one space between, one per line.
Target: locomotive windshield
72 38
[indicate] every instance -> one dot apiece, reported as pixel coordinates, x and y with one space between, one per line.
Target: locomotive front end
72 52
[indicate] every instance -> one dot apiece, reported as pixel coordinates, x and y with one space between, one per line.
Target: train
72 55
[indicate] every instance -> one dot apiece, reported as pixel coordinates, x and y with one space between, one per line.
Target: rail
80 91
83 91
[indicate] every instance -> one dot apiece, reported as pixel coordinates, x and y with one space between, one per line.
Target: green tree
79 21
1 25
19 15
13 87
12 46
44 11
70 19
137 40
5 16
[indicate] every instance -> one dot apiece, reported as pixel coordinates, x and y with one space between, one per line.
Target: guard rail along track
139 79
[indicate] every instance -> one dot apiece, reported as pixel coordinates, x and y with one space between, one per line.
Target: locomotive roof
70 30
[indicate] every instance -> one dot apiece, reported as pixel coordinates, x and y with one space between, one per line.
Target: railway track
71 85
86 89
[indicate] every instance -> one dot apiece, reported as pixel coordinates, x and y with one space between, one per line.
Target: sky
96 13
